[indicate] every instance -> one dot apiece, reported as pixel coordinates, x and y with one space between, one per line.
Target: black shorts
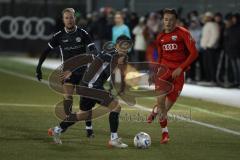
88 103
75 78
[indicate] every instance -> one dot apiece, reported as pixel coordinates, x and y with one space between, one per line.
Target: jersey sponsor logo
170 47
78 39
25 27
73 48
174 38
65 40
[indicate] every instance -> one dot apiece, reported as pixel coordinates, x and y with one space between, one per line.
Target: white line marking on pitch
25 105
194 121
202 110
47 106
137 106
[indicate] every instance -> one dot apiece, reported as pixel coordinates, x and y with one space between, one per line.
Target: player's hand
177 72
39 73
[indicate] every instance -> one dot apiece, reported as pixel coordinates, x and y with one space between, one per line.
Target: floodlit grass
23 131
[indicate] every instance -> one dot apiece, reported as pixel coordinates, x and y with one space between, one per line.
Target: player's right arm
53 43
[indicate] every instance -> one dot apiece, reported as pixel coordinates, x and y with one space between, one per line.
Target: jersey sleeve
105 57
192 50
54 42
89 43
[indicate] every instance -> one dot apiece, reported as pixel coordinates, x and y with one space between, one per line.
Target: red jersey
176 49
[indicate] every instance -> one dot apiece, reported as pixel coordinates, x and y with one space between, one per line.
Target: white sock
57 129
164 129
114 136
89 127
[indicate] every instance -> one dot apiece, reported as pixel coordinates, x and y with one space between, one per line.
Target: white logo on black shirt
65 40
78 39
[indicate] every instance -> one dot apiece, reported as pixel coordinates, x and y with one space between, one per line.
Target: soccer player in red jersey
176 49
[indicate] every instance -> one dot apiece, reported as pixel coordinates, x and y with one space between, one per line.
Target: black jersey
71 43
104 72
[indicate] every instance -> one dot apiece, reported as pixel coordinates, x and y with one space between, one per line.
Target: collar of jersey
72 31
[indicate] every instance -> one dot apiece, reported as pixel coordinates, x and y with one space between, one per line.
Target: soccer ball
142 140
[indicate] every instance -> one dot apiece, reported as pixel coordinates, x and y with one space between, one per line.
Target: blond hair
71 10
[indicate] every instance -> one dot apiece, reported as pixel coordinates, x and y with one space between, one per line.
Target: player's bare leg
156 109
169 104
115 110
115 141
163 104
67 104
68 90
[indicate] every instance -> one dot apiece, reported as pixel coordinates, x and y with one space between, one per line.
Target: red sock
163 122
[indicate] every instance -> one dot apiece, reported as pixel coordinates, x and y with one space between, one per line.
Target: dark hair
218 14
170 11
228 16
122 38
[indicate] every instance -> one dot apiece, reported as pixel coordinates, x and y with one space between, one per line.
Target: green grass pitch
23 128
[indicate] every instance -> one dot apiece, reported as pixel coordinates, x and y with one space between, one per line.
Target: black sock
114 121
88 123
69 121
67 103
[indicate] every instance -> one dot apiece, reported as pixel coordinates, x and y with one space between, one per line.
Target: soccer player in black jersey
92 90
71 42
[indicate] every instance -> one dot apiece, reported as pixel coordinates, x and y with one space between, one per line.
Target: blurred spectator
182 23
81 21
192 16
119 28
218 18
133 22
231 45
211 40
195 30
101 27
139 43
153 27
209 43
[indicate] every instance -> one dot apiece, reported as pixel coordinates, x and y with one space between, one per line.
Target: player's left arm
90 44
193 54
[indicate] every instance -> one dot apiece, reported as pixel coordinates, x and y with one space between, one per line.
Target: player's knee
114 106
161 101
117 109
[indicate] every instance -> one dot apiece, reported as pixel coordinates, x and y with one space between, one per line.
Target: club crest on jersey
174 38
78 39
65 40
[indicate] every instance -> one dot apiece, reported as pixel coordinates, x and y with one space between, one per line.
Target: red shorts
176 85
